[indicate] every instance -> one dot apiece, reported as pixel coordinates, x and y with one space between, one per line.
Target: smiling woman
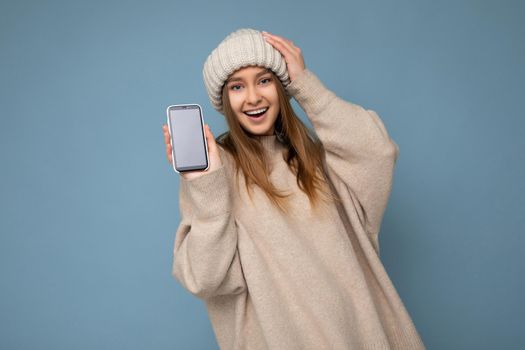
281 238
253 98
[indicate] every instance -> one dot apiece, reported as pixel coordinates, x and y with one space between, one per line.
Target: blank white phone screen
189 147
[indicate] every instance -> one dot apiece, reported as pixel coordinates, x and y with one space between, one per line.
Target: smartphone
188 140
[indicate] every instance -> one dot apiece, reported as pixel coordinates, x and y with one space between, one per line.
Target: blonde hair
304 154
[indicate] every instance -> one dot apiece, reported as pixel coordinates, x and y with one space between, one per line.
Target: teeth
257 111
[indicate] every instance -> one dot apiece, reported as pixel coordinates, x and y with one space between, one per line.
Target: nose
253 97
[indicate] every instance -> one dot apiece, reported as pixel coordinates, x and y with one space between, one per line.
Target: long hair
303 154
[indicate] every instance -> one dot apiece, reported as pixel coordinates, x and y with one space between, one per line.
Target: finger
209 135
210 138
166 137
285 50
168 155
283 41
168 143
287 42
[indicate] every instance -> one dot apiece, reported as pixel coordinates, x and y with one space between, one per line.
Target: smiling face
252 89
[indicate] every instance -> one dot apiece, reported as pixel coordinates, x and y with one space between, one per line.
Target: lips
257 109
256 116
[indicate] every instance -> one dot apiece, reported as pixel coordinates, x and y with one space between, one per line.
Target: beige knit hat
244 47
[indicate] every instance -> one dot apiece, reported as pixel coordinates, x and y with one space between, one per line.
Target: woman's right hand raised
213 153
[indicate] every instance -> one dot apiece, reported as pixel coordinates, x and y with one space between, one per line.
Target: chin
259 131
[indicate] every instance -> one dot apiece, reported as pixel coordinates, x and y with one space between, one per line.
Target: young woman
279 236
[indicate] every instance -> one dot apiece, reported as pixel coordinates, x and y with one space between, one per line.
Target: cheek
235 100
273 95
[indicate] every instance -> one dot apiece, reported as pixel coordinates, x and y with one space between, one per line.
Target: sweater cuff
310 92
209 194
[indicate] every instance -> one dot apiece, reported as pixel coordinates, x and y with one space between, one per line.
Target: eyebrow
267 70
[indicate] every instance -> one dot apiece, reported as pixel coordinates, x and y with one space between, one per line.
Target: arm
358 148
206 260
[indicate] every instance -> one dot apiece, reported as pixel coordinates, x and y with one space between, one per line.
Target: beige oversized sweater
303 280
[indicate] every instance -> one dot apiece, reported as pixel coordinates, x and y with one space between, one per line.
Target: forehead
248 72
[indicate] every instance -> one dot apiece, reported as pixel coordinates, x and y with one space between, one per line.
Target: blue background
89 203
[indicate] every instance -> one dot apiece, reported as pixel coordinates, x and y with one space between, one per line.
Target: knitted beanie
244 47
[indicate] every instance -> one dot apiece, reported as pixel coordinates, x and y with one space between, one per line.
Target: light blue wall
89 204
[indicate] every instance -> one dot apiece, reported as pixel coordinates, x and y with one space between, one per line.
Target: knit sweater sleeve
357 146
205 257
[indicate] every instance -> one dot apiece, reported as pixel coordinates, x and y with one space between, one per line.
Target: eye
233 87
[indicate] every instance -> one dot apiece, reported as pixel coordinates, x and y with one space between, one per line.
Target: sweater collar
271 144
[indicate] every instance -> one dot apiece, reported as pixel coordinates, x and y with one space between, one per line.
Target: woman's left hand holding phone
213 153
